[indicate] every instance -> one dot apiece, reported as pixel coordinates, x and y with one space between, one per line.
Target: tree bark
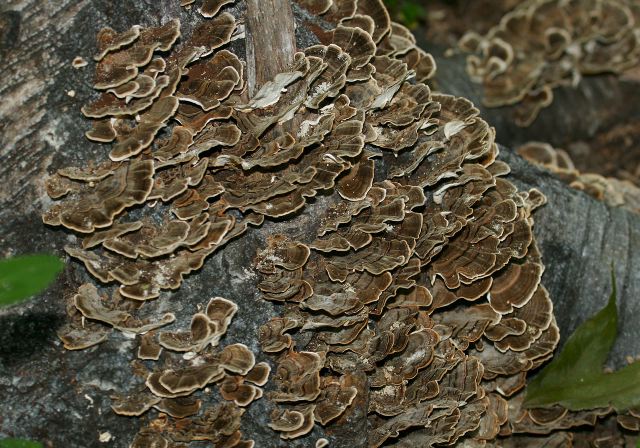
61 398
271 40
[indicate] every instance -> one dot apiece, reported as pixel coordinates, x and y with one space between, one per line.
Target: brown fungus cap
90 304
97 203
77 337
614 192
210 8
131 143
206 328
297 377
293 424
194 340
184 381
180 407
109 40
118 66
134 405
149 348
208 82
272 336
233 388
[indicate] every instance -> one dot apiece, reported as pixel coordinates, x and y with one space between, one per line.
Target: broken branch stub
270 41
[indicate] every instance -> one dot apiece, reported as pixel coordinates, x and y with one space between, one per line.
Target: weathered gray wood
61 397
271 40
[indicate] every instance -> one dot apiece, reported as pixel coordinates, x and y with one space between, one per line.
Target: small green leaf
575 378
413 14
408 12
19 443
24 276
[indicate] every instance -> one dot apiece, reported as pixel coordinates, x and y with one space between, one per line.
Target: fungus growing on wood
170 390
90 304
97 202
422 275
542 44
389 254
149 347
614 192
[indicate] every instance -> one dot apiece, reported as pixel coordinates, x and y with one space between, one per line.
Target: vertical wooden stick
271 40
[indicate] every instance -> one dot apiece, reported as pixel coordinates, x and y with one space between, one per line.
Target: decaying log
61 397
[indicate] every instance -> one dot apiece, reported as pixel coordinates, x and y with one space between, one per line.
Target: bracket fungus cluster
543 44
614 192
416 303
428 282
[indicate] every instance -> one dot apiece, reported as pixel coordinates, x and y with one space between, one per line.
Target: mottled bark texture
62 398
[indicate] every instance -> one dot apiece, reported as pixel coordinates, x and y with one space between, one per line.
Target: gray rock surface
62 398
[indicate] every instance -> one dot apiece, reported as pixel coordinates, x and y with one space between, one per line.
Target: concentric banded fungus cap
98 202
295 423
210 8
234 389
149 347
206 328
134 405
89 303
181 407
118 66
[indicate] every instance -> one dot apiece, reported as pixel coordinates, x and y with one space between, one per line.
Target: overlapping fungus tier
543 44
420 294
614 192
430 285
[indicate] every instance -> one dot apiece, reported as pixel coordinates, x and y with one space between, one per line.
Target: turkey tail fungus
414 309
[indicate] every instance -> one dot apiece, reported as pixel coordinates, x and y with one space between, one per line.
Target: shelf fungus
174 389
412 297
614 192
544 44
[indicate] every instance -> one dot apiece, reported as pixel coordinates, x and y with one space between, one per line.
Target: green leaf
408 12
19 443
413 14
24 276
575 378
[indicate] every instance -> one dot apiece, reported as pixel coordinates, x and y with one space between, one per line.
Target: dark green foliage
575 378
19 443
24 276
410 13
20 278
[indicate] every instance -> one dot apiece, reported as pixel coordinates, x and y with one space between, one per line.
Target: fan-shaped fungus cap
89 303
